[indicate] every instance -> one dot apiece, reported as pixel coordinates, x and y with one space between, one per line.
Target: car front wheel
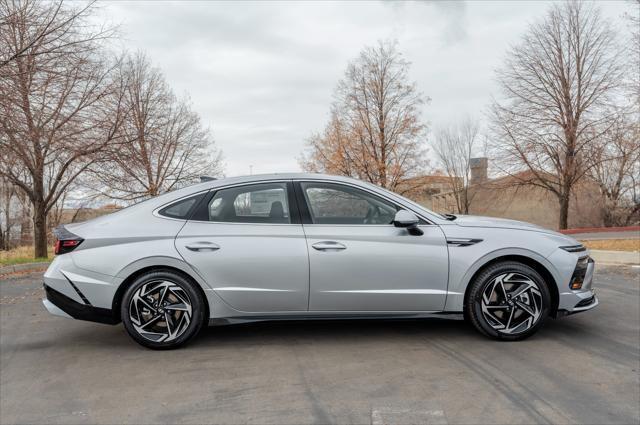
162 310
508 301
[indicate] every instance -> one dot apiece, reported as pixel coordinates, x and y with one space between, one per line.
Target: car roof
272 176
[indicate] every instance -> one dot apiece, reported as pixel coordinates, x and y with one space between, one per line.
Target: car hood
498 223
503 223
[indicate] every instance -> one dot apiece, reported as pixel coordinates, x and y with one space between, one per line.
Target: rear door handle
328 246
203 246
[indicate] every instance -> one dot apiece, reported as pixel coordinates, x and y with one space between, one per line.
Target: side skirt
311 316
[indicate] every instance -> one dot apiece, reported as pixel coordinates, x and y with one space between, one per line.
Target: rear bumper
61 305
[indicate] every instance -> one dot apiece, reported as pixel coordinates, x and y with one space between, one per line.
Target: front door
245 244
359 261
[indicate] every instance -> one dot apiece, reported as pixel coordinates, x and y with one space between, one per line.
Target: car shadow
332 331
312 332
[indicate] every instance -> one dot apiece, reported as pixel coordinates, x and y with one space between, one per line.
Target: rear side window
258 203
181 209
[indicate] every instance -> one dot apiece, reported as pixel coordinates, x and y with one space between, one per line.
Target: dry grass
614 244
21 255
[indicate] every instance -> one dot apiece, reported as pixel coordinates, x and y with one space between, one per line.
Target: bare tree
454 147
49 30
8 193
555 85
56 109
633 54
615 157
375 132
165 144
616 166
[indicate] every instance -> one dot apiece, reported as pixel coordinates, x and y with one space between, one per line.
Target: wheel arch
137 272
543 270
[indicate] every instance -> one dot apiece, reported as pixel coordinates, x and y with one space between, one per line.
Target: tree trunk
609 213
564 211
40 230
26 220
465 199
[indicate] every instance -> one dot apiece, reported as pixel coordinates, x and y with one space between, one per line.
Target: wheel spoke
506 327
142 301
504 291
170 326
525 308
163 293
527 285
177 306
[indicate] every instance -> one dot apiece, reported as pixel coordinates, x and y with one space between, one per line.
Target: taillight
65 240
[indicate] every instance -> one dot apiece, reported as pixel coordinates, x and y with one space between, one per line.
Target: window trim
294 214
299 206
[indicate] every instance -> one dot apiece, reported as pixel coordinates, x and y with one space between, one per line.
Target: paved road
581 369
605 235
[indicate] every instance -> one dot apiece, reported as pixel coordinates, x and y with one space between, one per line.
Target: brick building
511 197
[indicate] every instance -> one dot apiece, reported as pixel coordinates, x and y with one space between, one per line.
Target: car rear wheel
508 301
162 310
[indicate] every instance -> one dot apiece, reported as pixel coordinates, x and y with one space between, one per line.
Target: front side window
259 203
339 204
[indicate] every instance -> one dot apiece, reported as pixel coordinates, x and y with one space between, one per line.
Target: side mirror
409 221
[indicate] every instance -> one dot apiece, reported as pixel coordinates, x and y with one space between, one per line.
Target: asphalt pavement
579 369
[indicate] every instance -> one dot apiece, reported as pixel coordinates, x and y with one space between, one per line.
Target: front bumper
585 305
59 304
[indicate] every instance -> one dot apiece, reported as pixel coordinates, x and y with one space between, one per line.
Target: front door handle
328 246
203 246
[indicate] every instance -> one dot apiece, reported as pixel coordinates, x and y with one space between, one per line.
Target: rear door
248 244
359 261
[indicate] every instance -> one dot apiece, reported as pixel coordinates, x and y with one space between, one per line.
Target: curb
615 257
17 268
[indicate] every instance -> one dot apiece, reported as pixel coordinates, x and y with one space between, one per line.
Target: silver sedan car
309 246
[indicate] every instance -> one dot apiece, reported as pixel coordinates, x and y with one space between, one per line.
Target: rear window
181 209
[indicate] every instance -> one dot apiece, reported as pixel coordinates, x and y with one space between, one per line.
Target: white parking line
388 415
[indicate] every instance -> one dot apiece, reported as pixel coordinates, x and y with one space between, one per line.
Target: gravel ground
580 369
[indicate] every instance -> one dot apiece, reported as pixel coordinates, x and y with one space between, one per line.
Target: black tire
183 289
474 301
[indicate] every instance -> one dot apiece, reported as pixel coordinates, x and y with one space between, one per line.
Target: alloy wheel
160 311
512 303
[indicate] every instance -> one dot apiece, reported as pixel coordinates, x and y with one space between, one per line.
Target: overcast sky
261 75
